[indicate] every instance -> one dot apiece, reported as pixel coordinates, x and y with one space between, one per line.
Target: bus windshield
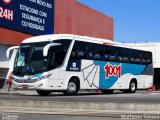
30 59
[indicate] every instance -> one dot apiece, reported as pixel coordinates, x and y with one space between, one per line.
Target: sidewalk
80 105
25 92
75 112
60 105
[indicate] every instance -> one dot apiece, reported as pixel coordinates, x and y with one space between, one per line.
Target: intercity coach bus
69 63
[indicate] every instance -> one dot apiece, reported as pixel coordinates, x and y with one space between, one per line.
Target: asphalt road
20 116
35 116
117 97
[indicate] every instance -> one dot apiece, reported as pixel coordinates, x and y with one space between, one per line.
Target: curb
80 105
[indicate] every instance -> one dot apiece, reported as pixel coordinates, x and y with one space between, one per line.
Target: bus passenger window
78 51
97 56
143 61
135 57
112 58
132 60
73 54
146 57
80 54
125 55
105 56
110 55
148 61
137 60
90 55
120 58
125 59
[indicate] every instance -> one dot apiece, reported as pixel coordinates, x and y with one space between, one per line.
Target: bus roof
52 37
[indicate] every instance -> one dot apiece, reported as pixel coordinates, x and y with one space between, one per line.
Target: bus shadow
56 94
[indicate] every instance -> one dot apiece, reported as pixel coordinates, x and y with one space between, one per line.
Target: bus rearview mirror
9 50
47 47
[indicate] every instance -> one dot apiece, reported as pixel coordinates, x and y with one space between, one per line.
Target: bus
69 63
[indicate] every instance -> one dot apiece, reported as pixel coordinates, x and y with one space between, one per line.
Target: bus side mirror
9 50
46 48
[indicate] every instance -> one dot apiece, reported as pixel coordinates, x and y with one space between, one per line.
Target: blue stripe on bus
37 75
106 83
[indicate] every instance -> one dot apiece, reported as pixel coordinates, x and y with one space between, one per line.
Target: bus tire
132 87
43 92
107 91
72 88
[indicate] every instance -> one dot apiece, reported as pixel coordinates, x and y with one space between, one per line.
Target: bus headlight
45 76
41 78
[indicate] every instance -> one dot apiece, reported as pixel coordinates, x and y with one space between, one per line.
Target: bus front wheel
72 88
43 92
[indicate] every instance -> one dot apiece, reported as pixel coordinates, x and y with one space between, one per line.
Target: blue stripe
104 83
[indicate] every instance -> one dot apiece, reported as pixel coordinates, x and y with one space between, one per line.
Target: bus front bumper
29 86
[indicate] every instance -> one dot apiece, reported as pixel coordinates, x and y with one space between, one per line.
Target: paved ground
117 97
75 115
23 116
28 105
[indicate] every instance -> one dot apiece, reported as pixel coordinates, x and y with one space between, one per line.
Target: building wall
71 17
75 18
12 37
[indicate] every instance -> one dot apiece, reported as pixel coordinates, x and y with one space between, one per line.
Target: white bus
70 63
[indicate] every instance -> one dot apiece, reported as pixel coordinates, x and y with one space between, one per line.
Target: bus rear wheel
132 87
72 88
43 92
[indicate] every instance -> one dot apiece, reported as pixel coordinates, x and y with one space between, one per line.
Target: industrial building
21 19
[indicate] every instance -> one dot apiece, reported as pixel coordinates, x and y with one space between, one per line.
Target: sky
134 20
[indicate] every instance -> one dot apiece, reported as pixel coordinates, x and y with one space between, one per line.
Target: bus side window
94 51
148 61
132 59
146 57
73 54
106 54
106 57
90 55
120 58
125 59
111 53
136 58
124 55
78 51
149 58
97 56
80 54
112 57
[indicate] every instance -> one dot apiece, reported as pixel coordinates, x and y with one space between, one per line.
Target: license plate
25 86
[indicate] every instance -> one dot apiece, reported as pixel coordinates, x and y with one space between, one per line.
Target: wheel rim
72 87
133 86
